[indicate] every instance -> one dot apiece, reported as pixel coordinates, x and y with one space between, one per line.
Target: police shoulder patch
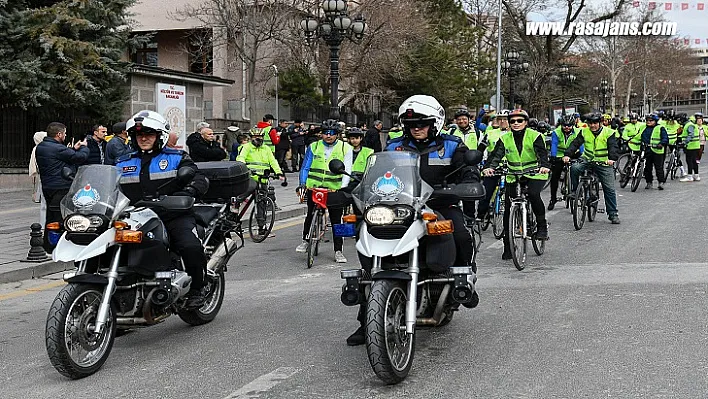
129 169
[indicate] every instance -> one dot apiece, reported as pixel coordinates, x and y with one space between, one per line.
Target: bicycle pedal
600 210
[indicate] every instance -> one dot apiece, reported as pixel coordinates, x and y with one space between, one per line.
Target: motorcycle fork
411 303
112 275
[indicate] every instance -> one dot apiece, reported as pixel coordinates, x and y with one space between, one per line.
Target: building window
147 55
201 58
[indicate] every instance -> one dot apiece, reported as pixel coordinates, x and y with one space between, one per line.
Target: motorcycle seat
205 214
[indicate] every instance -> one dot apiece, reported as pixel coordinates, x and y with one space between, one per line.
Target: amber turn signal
53 226
120 225
129 237
349 218
440 228
430 217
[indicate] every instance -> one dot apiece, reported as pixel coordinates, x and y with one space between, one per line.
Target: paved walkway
18 212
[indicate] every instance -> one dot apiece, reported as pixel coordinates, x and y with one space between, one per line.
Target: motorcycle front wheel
389 347
73 347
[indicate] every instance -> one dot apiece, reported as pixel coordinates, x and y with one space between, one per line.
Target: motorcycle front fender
67 251
391 275
370 246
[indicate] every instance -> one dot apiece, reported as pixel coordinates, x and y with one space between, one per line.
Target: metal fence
18 126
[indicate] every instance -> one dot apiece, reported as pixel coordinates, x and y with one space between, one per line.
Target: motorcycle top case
226 179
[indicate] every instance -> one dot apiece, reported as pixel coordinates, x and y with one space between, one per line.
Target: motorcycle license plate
344 230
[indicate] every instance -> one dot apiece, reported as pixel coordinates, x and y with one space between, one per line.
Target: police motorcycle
413 280
126 276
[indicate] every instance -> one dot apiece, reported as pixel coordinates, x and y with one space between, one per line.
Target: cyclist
561 137
599 144
488 142
315 174
694 132
464 129
395 132
422 118
578 122
359 154
525 150
654 135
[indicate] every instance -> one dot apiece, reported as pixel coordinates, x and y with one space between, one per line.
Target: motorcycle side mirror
337 167
67 173
185 175
473 157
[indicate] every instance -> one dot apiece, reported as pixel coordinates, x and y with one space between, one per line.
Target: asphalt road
607 312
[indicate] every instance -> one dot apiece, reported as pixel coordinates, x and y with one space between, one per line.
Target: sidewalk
18 212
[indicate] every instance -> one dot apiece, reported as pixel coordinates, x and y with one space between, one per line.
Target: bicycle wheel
321 230
637 176
487 219
538 245
257 232
669 167
594 200
565 189
626 176
621 164
313 239
516 237
477 231
579 209
498 221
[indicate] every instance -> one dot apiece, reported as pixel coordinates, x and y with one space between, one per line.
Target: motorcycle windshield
393 178
95 191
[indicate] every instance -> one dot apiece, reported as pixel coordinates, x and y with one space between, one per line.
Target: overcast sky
691 23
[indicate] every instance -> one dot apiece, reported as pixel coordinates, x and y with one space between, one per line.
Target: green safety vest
655 137
672 130
258 159
492 137
527 161
470 140
564 142
632 135
596 146
320 176
695 142
359 164
266 136
394 134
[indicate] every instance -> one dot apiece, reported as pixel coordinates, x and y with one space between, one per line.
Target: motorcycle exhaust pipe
464 290
350 290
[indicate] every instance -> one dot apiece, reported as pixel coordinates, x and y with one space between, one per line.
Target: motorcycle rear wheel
208 312
390 349
73 349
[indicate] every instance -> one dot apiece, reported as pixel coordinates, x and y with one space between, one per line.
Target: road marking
18 210
289 224
33 290
263 383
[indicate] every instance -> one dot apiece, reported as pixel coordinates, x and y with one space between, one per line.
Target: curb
33 271
30 271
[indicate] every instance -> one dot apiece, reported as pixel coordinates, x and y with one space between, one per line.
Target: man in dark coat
203 146
373 137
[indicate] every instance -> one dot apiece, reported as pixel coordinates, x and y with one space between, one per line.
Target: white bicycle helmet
149 122
422 108
503 113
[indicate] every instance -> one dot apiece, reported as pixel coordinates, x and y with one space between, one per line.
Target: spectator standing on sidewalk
203 146
96 143
52 156
283 146
231 136
314 134
373 137
37 195
297 134
119 144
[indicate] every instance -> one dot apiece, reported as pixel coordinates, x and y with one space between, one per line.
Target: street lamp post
513 66
565 79
633 100
604 90
334 27
277 104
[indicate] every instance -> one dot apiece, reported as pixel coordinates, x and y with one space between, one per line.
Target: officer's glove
186 192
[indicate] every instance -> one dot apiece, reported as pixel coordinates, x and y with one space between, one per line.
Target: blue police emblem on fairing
388 184
86 197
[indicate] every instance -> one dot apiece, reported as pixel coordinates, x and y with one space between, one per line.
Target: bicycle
587 197
318 226
634 170
673 162
522 223
475 229
565 185
262 218
495 214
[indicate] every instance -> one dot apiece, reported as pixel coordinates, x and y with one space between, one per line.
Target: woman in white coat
36 182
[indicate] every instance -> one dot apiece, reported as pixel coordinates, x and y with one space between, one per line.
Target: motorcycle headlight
404 214
379 215
96 222
77 223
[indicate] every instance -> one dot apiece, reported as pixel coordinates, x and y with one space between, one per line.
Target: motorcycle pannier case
226 179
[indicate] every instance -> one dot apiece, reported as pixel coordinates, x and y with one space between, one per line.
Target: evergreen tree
65 54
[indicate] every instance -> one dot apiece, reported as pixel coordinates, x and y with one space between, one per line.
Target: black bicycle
522 222
262 218
673 161
587 196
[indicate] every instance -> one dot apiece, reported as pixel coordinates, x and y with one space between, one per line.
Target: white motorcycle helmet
420 108
148 121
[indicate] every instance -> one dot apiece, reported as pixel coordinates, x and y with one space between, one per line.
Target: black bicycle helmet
594 117
463 112
568 120
356 132
533 123
331 125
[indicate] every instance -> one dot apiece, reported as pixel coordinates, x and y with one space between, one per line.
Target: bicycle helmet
606 117
533 123
521 113
503 113
652 117
149 122
463 112
355 132
331 125
543 127
568 121
698 115
421 109
593 118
